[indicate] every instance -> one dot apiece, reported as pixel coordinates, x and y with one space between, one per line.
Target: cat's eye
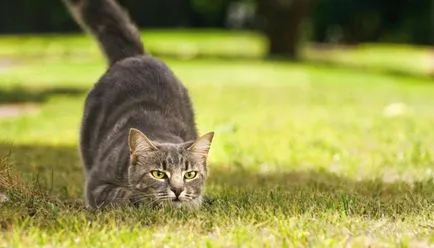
158 174
190 175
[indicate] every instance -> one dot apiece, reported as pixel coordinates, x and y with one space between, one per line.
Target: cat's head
168 173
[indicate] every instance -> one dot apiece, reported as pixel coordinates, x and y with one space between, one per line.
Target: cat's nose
177 190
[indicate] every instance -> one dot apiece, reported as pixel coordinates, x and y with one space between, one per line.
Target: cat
138 137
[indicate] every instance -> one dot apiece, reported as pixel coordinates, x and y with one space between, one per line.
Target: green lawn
189 44
304 154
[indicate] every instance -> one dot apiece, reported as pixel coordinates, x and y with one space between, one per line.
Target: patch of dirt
14 110
3 198
5 64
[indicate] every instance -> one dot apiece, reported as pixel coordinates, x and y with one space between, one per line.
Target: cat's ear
201 146
138 142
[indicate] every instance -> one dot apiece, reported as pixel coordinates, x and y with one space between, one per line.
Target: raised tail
117 35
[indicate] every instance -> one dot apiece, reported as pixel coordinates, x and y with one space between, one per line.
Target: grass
190 44
304 154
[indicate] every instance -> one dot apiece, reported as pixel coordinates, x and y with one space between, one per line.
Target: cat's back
141 80
139 74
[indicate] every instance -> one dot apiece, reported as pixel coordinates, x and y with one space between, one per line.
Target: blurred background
284 23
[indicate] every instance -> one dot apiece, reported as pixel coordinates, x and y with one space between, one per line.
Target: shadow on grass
323 62
301 192
22 95
243 193
369 69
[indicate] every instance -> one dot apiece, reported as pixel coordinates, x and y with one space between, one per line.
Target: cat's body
137 95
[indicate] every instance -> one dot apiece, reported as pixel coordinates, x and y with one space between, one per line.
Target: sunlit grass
190 44
304 155
397 59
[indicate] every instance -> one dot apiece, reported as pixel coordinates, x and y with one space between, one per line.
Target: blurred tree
432 38
209 13
158 13
343 21
282 21
355 21
419 25
350 22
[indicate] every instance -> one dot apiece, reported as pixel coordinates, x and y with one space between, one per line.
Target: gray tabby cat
137 95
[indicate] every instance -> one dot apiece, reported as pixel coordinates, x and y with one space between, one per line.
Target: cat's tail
117 35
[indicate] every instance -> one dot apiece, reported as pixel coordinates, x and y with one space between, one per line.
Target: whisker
143 194
165 198
147 196
140 200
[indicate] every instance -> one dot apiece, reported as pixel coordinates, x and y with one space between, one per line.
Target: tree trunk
283 19
432 38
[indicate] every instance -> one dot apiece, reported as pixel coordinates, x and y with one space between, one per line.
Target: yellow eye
190 175
158 174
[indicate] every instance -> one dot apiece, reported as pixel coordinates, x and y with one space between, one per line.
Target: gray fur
116 34
137 95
